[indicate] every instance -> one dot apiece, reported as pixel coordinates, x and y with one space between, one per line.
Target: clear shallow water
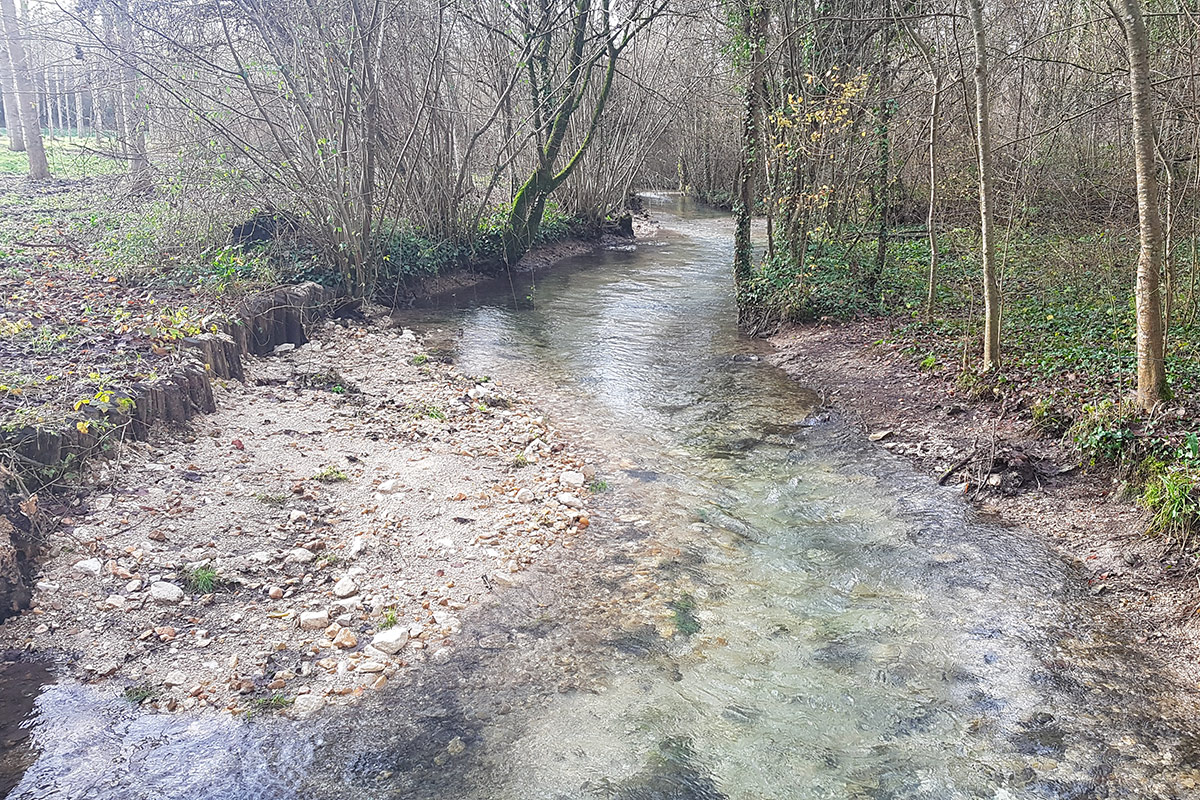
861 633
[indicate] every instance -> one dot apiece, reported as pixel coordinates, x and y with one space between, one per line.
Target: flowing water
844 628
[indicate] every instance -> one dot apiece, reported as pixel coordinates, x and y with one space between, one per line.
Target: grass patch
275 702
389 620
202 580
596 487
271 499
331 475
141 693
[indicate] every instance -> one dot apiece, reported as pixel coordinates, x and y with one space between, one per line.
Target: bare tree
1151 374
12 110
39 169
983 143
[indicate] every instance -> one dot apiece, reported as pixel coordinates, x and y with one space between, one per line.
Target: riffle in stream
843 627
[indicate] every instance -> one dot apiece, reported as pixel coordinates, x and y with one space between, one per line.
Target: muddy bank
538 259
998 459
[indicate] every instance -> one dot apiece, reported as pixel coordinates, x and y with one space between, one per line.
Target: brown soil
1009 469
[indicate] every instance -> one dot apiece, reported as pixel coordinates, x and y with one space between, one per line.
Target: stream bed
845 628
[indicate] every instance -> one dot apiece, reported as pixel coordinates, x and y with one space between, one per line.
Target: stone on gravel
301 556
307 704
89 566
569 500
346 587
314 620
390 486
163 592
525 496
391 641
571 479
175 678
345 639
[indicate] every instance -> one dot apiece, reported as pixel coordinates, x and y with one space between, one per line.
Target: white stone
163 592
525 496
89 566
391 641
370 666
390 486
46 586
115 601
134 585
314 620
296 515
569 500
286 347
307 704
346 587
301 556
574 479
175 678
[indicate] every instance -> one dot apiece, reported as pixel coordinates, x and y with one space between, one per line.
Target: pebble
89 566
275 593
134 585
314 620
525 496
345 639
115 601
370 666
346 587
574 479
307 704
301 556
569 500
163 592
391 641
456 747
390 486
175 678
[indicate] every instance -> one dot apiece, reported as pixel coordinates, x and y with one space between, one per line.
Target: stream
845 628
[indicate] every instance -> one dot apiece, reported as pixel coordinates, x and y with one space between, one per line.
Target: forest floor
1010 467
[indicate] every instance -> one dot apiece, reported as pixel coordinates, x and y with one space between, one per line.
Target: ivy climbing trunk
753 32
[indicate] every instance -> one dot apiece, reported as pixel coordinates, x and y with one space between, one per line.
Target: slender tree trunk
1151 374
754 31
983 141
931 215
39 169
135 118
12 110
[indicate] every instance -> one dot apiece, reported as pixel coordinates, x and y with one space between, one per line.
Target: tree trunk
754 31
135 118
1151 374
983 143
931 215
39 169
12 110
